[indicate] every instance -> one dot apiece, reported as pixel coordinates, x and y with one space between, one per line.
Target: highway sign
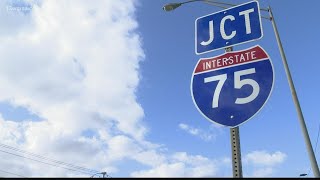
231 88
229 27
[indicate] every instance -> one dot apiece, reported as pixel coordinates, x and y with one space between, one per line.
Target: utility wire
11 173
76 170
48 159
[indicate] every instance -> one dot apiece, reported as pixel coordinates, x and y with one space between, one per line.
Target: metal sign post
235 147
236 152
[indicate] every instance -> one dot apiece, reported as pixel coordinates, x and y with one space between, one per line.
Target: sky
104 86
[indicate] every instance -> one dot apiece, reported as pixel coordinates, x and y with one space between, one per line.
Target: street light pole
312 158
173 6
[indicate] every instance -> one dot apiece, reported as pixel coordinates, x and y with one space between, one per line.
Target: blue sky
111 91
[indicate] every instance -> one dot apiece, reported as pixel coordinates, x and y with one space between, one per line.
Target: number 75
238 83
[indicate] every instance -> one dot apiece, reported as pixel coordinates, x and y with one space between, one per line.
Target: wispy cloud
263 172
202 134
181 164
263 163
265 158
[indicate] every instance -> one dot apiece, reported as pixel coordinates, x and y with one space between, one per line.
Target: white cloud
263 163
164 170
265 158
72 67
202 134
181 164
263 172
76 66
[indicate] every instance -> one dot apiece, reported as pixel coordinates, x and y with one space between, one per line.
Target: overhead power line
76 170
90 171
11 173
47 161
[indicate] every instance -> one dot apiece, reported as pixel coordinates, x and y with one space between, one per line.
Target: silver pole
235 146
236 152
312 158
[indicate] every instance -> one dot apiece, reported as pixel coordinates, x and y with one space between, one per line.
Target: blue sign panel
231 88
227 28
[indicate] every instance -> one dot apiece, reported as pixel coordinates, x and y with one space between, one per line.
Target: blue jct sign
231 88
229 27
